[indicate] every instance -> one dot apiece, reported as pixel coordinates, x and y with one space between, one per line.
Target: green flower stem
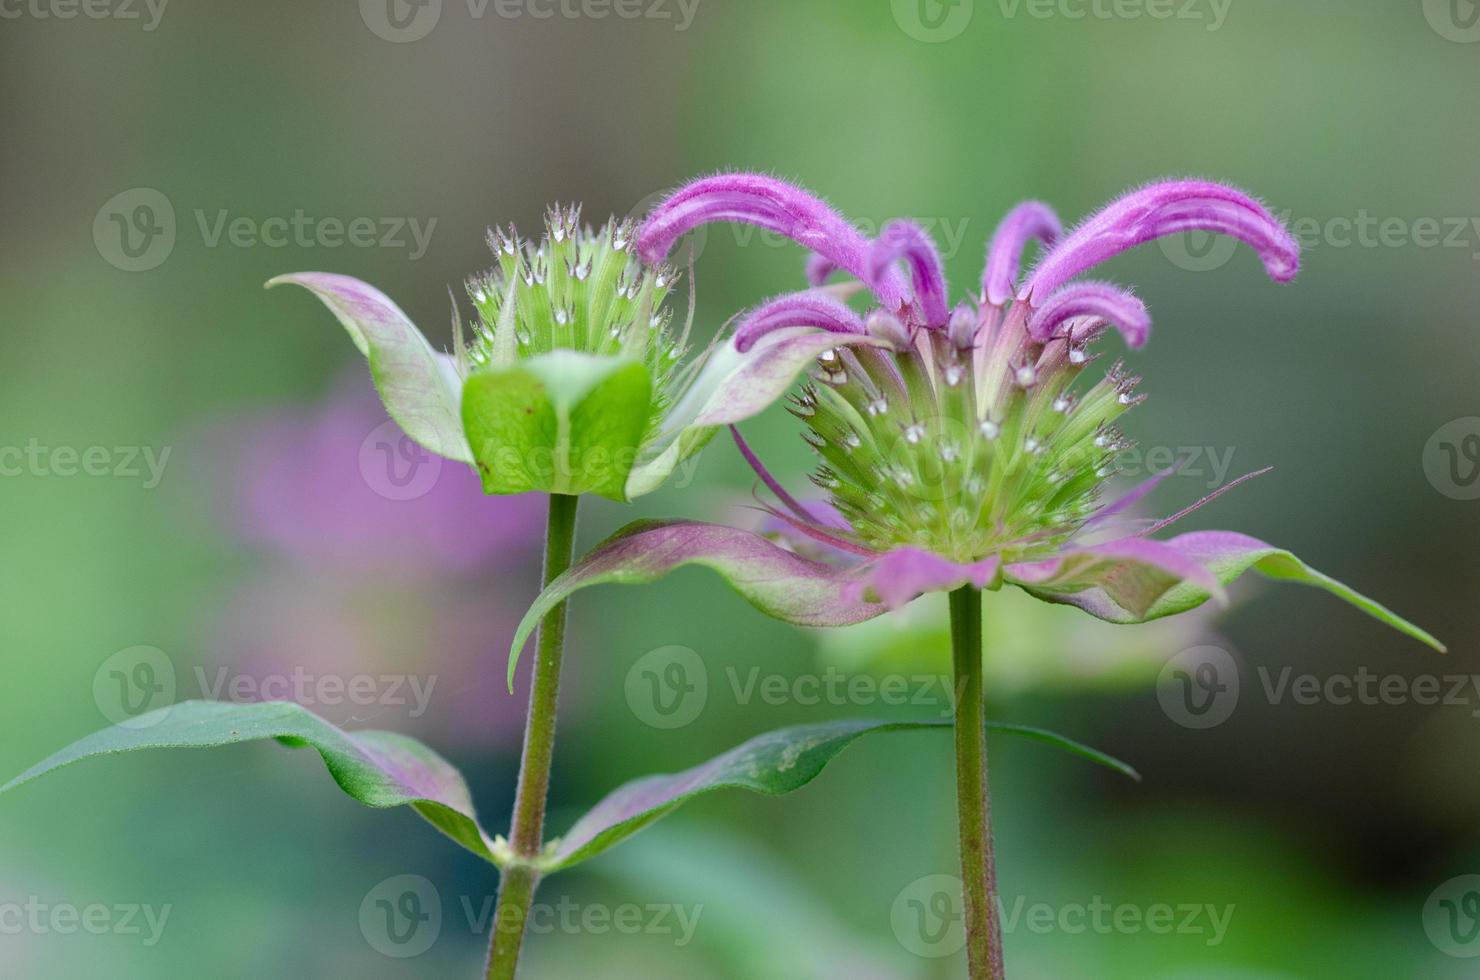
973 798
520 877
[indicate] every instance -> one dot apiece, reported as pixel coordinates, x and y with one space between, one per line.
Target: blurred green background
1328 834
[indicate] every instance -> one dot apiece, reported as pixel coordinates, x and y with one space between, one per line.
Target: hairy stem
973 798
517 886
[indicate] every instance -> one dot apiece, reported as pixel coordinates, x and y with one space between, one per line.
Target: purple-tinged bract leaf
380 769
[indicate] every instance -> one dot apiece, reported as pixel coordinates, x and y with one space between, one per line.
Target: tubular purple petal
819 267
1027 221
907 240
805 309
773 484
768 203
1097 300
1162 209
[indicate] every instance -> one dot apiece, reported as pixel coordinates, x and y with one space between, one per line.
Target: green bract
569 379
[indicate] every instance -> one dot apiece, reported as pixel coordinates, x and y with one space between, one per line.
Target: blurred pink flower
390 582
343 484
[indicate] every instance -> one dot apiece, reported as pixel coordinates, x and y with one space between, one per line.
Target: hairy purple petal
1099 301
811 308
907 240
1157 526
1027 221
900 575
819 267
768 203
1131 498
773 484
1162 209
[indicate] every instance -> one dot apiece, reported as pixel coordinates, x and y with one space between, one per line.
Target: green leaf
563 422
1227 555
772 764
419 386
778 582
380 769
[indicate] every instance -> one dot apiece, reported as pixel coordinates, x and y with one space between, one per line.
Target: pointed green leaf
419 386
1227 555
772 764
563 422
380 769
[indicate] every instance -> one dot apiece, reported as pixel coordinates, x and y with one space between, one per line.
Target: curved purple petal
819 268
1166 209
1097 300
811 308
907 240
768 203
1027 221
899 576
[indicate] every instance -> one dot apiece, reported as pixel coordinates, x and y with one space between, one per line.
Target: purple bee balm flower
969 452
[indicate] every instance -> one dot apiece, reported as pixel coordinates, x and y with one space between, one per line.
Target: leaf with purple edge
419 386
1226 555
772 764
776 581
379 769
